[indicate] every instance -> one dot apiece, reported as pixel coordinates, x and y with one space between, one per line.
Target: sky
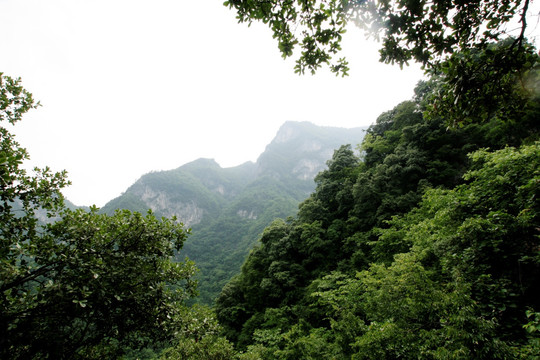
133 86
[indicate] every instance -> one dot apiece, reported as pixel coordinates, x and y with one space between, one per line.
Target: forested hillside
425 246
228 208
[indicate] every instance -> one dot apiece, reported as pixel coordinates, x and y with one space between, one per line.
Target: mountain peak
300 150
202 162
292 129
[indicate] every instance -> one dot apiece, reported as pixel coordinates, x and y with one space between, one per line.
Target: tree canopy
423 31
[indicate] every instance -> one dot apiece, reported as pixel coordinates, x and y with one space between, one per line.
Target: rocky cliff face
306 169
160 202
300 150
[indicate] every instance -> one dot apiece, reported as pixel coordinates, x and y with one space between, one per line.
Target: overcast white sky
131 86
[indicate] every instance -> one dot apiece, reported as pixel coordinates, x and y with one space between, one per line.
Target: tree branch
31 276
523 22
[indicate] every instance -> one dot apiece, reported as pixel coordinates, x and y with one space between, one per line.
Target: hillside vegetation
426 246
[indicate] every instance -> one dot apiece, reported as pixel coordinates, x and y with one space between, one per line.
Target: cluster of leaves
321 25
199 338
451 39
479 84
94 281
462 289
424 31
414 250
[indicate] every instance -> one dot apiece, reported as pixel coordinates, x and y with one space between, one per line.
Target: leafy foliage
467 299
199 338
96 282
479 84
15 101
321 25
453 40
410 30
84 285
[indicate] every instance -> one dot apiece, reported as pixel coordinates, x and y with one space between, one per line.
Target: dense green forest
426 246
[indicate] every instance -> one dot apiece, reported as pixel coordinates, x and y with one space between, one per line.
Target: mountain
228 208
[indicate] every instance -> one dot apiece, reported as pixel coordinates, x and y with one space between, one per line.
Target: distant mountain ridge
227 208
193 190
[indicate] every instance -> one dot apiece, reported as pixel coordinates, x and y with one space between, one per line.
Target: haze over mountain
228 208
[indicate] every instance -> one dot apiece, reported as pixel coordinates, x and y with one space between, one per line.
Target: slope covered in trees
425 247
228 208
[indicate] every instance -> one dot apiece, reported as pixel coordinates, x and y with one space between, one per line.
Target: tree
424 31
405 311
20 196
84 285
200 339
